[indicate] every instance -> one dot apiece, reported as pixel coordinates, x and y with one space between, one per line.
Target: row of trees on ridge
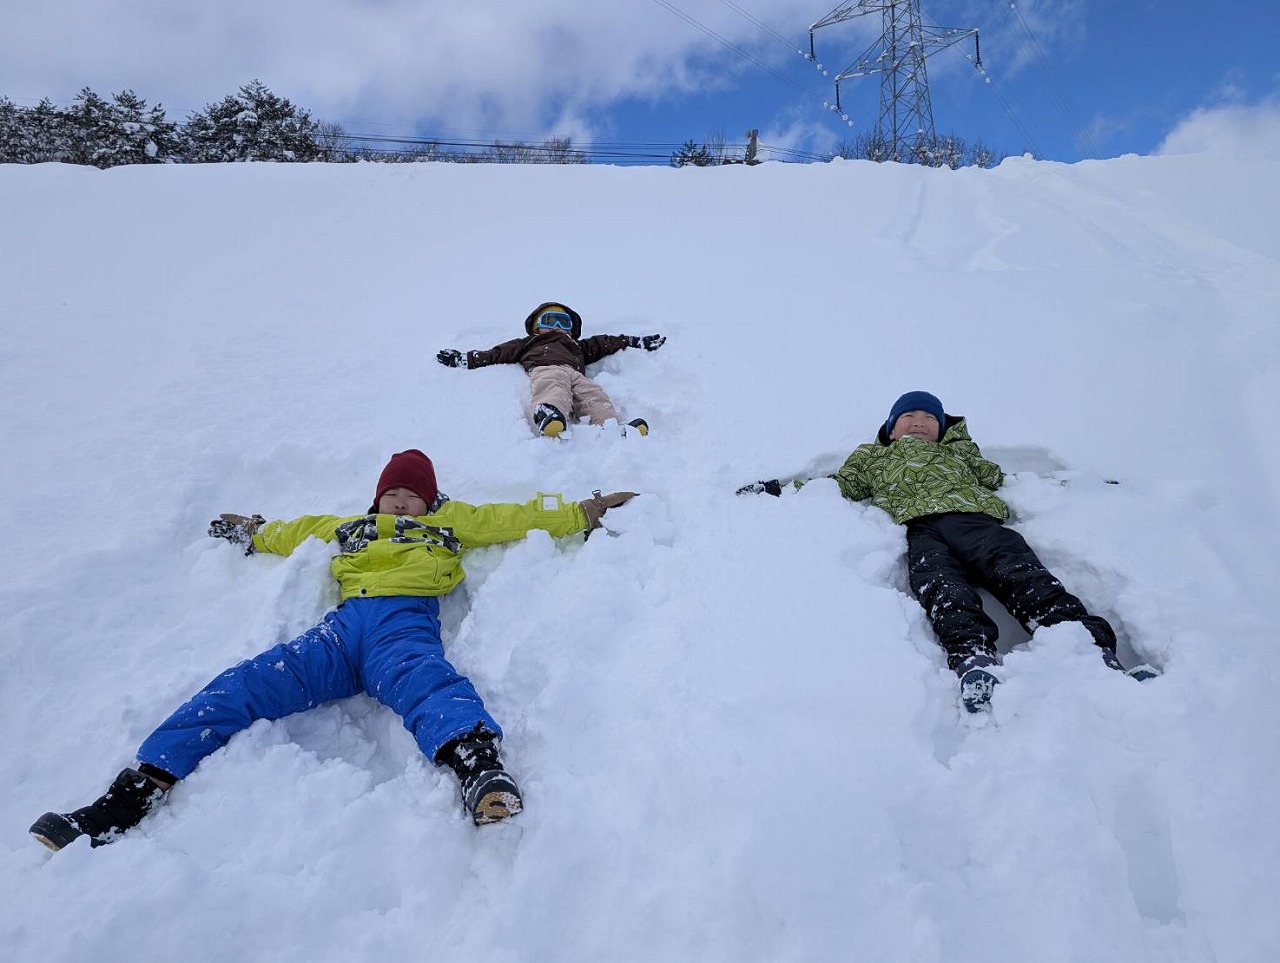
255 124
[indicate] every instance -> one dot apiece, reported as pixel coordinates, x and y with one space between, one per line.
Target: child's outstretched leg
1032 594
954 609
133 794
287 678
951 603
551 388
405 668
591 400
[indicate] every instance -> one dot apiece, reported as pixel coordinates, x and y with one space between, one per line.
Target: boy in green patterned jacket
926 472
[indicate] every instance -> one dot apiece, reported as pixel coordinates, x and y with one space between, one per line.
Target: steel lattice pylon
904 127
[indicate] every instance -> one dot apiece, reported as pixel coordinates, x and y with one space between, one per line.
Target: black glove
771 487
452 358
236 529
650 342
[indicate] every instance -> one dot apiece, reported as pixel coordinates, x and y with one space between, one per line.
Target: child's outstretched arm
506 353
256 534
489 524
852 475
602 345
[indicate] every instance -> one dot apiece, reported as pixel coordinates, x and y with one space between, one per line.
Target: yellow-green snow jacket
911 477
399 555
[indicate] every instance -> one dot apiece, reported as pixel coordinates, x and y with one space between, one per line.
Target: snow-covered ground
736 736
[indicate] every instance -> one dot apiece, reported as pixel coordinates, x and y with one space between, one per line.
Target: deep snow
736 736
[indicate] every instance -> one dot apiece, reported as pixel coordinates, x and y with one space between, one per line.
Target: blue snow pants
388 647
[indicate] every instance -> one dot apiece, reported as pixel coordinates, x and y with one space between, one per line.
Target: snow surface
736 736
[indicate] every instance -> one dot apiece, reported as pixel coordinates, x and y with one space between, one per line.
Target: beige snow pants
572 392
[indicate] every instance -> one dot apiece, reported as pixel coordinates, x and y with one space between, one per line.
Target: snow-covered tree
947 150
91 131
139 134
89 127
692 154
46 134
252 125
11 132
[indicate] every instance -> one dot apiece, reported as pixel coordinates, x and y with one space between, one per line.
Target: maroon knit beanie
408 469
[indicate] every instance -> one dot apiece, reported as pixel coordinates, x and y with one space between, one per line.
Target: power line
638 151
1082 135
751 57
786 41
1006 106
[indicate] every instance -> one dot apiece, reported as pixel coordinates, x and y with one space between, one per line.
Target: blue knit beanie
917 401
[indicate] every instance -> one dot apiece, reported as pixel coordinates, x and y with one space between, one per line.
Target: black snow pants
950 556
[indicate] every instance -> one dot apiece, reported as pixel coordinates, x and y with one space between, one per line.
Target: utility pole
904 128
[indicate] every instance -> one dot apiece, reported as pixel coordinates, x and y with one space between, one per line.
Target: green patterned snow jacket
910 477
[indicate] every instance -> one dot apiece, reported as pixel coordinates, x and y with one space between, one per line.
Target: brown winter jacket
549 348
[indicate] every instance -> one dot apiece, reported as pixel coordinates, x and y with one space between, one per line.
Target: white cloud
1233 129
481 65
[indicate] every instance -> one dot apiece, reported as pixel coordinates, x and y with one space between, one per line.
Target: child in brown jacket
556 358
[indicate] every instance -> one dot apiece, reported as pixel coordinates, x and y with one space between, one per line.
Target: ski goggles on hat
555 319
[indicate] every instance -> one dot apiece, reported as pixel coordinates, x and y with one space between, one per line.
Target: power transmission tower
904 129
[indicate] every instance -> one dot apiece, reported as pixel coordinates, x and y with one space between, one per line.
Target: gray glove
595 506
452 358
236 529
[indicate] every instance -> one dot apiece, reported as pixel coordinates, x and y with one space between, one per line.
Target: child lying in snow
926 472
384 639
556 361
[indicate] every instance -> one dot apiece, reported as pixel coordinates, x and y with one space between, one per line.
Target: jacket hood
573 316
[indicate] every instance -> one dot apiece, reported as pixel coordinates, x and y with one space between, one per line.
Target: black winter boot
549 420
977 683
132 795
488 791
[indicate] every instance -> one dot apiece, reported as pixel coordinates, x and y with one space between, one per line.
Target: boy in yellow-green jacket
393 563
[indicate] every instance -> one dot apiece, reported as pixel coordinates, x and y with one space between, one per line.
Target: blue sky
1069 79
1099 80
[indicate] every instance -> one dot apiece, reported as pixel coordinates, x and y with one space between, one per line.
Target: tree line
253 124
945 150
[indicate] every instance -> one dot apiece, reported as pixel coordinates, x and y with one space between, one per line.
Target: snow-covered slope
735 734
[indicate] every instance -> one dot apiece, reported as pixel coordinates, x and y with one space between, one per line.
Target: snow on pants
572 392
388 647
949 556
